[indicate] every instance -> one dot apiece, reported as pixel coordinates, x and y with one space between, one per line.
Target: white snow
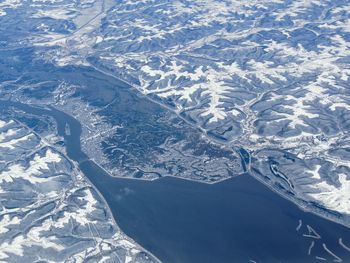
12 143
33 171
8 4
316 172
334 198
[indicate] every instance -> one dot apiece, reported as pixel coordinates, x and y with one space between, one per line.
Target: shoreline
77 170
78 162
138 89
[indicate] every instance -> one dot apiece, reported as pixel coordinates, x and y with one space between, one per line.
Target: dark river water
238 220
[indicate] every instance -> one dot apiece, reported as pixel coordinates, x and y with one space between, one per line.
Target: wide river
238 220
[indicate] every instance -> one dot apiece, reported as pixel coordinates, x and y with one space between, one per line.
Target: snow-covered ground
48 211
269 76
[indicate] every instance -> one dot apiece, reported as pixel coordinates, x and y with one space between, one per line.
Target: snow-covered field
48 211
271 77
